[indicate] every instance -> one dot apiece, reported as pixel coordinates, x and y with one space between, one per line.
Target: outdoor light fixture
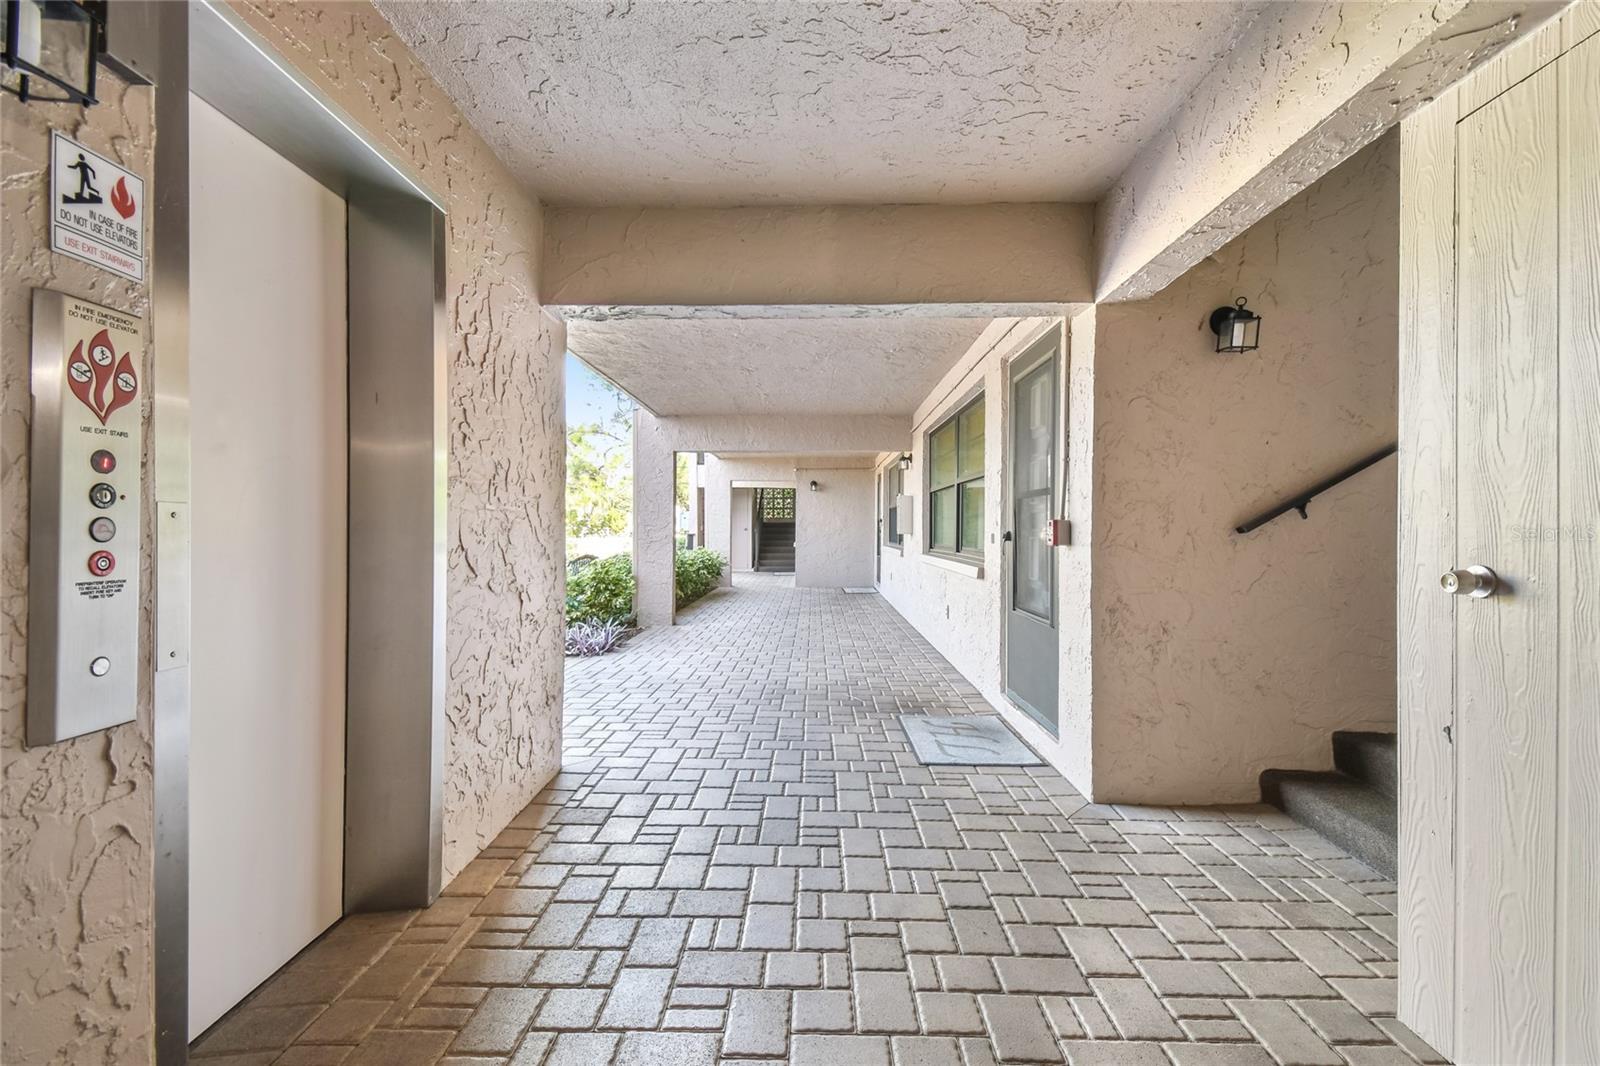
813 486
905 461
52 41
1237 329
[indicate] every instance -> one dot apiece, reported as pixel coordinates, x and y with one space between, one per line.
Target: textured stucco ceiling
951 101
769 366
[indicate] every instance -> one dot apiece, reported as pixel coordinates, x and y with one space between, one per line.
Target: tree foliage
599 474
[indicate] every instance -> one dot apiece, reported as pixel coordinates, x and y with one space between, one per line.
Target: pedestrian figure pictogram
87 193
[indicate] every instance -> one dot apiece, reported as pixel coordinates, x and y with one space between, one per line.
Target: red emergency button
102 461
102 563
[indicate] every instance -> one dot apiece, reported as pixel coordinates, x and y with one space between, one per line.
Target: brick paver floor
742 862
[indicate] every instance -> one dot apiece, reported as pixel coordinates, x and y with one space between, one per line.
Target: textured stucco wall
1075 576
723 506
653 472
77 820
1217 655
507 438
655 440
956 606
75 879
834 527
1213 656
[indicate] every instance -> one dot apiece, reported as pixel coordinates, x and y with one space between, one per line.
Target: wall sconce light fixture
905 461
57 42
1237 329
813 486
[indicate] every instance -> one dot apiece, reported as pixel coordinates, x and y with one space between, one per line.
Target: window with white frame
955 483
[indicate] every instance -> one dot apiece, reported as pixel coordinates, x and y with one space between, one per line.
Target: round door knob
1475 581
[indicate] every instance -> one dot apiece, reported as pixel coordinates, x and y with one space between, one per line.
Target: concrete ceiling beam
784 434
625 262
1306 87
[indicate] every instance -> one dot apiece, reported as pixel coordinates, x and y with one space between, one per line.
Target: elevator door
269 446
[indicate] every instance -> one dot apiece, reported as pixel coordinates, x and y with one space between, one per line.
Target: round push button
102 563
102 495
100 667
102 461
102 529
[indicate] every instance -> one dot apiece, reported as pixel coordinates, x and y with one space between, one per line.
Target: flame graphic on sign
89 378
122 199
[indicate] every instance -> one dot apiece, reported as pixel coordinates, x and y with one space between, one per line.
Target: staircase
1355 805
777 548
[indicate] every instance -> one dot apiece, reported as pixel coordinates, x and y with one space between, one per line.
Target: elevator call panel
84 512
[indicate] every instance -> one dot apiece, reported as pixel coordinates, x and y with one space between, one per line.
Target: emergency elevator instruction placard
96 209
84 518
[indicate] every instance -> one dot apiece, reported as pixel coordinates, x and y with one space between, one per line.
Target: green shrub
601 591
695 573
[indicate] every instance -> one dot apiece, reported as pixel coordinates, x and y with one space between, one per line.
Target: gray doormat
860 592
966 740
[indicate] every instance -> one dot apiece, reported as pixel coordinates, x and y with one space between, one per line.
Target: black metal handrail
1299 502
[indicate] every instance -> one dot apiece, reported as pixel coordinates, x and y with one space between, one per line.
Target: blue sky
589 398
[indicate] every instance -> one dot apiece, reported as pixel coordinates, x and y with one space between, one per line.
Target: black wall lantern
905 461
56 42
1237 329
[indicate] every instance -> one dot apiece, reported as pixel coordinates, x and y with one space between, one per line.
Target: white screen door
269 447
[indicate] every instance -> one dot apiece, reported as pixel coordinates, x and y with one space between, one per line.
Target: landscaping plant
601 591
594 638
695 573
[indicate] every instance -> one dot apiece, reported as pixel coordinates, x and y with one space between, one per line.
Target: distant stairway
1355 805
777 548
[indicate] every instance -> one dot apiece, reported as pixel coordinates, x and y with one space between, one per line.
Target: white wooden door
1578 560
1527 721
269 442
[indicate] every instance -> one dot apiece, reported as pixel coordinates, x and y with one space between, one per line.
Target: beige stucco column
652 520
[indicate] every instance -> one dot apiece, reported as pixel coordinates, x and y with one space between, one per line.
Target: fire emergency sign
96 209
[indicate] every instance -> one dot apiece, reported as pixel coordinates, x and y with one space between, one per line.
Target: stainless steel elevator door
270 445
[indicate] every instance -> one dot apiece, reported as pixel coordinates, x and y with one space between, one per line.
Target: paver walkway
742 862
